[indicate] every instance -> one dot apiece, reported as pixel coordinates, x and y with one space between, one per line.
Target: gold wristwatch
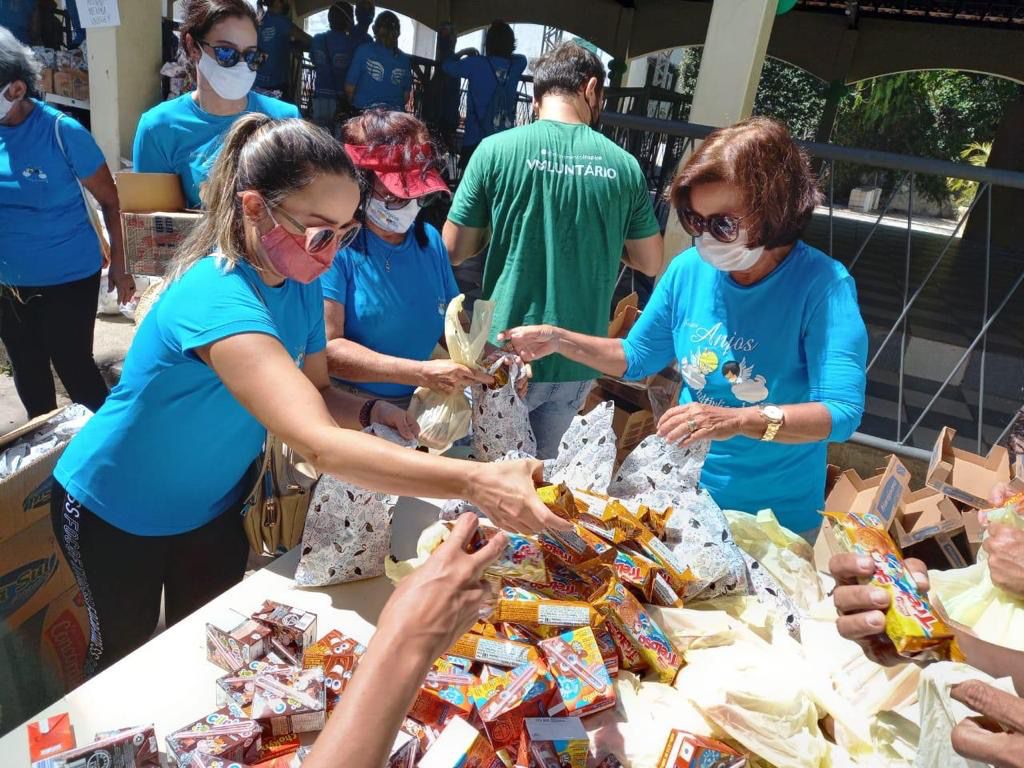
774 417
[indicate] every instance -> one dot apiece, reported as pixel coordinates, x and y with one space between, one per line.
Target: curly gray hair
17 62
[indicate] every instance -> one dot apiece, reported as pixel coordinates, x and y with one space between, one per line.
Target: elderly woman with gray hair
51 258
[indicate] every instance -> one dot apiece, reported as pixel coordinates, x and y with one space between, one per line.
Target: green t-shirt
561 200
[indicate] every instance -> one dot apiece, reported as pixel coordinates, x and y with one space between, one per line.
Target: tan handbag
274 513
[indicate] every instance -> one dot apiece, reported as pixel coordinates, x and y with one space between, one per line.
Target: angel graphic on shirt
696 368
745 386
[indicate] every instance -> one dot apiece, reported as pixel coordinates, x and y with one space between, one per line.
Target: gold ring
692 424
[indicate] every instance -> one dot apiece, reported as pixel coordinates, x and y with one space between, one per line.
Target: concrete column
730 70
124 76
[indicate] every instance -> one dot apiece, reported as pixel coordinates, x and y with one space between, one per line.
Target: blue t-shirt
483 81
795 337
169 449
178 136
332 53
16 15
381 76
47 236
398 313
275 40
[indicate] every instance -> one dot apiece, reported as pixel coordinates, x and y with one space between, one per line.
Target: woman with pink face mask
764 328
147 496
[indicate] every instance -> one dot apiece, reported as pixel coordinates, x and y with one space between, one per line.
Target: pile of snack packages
660 632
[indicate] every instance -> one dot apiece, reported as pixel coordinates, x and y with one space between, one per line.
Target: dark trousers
52 324
121 575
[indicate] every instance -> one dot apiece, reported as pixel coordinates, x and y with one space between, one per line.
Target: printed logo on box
20 584
40 496
71 646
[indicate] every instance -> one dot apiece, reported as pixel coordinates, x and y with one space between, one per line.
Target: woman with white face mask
765 329
50 258
184 135
385 295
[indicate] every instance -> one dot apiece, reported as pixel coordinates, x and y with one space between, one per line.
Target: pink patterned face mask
291 256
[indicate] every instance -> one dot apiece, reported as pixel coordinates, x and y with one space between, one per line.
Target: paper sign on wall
98 13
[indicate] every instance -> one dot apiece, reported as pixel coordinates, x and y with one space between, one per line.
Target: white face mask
397 221
728 257
6 105
231 83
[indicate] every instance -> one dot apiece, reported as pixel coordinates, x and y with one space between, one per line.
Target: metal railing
935 260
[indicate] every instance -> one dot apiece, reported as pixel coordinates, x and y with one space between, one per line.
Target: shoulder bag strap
90 209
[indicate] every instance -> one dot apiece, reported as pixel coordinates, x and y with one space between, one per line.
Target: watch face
773 413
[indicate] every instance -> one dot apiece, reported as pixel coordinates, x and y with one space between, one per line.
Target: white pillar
636 74
424 40
730 70
124 76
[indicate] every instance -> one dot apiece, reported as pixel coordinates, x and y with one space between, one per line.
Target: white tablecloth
169 682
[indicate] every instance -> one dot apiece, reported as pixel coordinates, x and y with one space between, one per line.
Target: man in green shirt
565 207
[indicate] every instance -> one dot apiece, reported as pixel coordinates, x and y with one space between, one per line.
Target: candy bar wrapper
676 572
292 630
290 701
626 614
656 520
504 702
501 420
773 596
564 583
558 742
517 633
403 751
686 750
492 650
586 454
348 529
460 745
277 747
610 761
663 595
636 571
337 655
129 747
219 734
577 665
546 613
522 557
235 690
425 735
609 653
915 629
444 693
575 548
233 640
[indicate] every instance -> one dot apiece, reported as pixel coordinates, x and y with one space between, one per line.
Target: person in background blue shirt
184 135
385 295
493 83
148 496
332 52
277 32
380 75
51 257
766 329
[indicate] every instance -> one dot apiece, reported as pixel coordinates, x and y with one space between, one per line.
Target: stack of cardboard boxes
937 523
64 73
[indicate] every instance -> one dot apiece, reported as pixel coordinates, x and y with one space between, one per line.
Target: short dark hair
386 19
339 17
200 16
500 40
774 175
565 70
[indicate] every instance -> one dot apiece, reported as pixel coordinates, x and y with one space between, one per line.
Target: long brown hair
273 157
760 157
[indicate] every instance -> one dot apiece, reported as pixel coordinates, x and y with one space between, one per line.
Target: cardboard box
33 573
80 85
63 639
624 317
925 513
154 220
46 80
965 476
63 84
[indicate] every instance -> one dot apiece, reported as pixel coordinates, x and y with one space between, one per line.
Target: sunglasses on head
394 203
228 56
724 227
319 239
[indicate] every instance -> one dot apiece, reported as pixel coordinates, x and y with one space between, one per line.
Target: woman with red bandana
385 295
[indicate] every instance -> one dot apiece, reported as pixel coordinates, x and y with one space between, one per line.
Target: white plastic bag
107 304
443 419
501 420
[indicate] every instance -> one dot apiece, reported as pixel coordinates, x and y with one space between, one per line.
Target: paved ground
114 335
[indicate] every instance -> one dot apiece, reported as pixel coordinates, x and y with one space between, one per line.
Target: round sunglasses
228 56
394 203
724 227
320 238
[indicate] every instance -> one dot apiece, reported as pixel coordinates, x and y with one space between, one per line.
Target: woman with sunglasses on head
184 135
147 496
766 329
385 295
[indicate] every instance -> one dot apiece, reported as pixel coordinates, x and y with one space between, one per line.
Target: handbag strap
90 210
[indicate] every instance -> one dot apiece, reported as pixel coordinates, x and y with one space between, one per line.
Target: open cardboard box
154 220
624 317
925 514
965 476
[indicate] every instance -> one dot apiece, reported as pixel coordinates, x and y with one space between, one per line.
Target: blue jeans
553 406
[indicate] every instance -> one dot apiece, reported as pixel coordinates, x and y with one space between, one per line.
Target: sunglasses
724 227
228 56
393 203
320 238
